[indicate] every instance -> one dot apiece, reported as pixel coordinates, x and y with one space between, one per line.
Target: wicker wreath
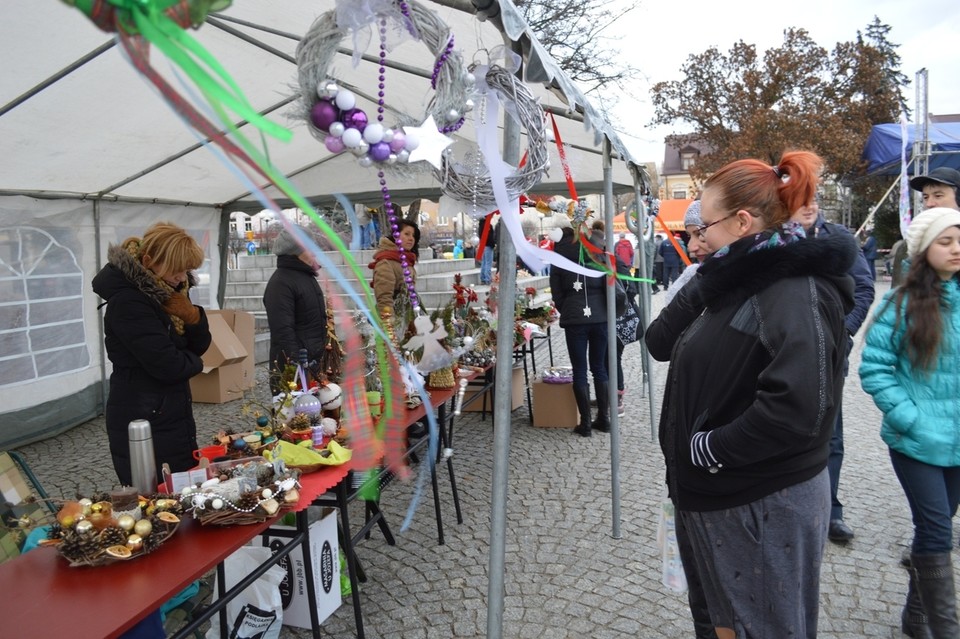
477 187
451 82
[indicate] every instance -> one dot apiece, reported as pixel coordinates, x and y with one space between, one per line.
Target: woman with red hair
757 345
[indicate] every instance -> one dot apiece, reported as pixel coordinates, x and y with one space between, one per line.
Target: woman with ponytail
756 375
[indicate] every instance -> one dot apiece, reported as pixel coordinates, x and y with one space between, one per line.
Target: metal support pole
503 380
612 346
645 318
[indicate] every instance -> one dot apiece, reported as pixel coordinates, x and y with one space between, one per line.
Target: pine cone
113 536
300 421
152 541
248 501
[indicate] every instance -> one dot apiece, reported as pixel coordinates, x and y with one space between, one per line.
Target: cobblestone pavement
566 576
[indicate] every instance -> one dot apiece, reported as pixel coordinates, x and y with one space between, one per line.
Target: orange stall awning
672 212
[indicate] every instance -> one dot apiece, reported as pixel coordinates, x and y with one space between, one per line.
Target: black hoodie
757 345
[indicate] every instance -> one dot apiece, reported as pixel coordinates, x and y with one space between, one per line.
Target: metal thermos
143 466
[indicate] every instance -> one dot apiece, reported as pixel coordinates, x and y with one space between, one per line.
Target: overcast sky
661 34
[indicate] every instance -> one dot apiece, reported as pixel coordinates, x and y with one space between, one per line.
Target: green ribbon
149 19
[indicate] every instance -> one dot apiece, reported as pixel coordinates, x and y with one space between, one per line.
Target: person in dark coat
154 337
582 304
813 222
296 309
869 249
757 348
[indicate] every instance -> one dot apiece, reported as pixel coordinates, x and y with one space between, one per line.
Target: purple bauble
333 144
354 119
323 114
399 139
380 151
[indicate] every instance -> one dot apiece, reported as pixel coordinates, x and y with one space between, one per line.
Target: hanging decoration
474 184
331 110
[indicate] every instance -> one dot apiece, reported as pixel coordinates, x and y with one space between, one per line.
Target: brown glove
179 305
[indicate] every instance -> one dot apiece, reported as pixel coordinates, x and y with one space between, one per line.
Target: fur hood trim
735 278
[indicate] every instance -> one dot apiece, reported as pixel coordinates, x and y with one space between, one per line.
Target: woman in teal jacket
911 367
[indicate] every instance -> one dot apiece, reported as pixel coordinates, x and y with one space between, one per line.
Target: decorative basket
266 490
115 539
441 378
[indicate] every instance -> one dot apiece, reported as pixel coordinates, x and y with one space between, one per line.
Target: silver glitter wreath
476 187
316 51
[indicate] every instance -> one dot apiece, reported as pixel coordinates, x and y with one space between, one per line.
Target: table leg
448 443
348 551
303 526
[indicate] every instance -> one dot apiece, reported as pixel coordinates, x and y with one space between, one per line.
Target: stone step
260 267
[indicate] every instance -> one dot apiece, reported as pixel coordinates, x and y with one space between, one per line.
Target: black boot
602 422
913 621
582 395
936 588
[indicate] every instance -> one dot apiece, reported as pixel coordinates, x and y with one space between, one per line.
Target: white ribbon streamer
532 256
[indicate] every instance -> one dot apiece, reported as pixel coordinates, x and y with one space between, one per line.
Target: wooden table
44 597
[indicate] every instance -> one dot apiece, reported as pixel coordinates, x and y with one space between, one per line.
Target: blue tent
882 151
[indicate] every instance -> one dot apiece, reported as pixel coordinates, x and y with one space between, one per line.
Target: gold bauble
143 527
127 522
134 542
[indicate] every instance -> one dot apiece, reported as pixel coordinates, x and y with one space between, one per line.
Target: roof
882 150
76 119
674 147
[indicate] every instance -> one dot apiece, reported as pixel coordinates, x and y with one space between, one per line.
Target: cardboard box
554 406
517 394
242 325
228 365
325 552
219 385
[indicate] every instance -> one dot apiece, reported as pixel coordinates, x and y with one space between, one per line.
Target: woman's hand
179 305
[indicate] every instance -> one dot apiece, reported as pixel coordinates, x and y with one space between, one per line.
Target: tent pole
56 77
506 300
98 252
645 315
877 206
612 375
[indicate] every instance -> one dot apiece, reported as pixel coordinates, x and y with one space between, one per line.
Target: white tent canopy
89 154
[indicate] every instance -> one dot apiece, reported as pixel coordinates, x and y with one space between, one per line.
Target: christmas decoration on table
305 458
97 531
243 493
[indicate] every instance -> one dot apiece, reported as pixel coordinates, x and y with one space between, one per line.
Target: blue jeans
486 265
933 493
587 341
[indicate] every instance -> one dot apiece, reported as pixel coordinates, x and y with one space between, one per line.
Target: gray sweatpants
760 563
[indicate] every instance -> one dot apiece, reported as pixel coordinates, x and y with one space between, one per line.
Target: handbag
629 327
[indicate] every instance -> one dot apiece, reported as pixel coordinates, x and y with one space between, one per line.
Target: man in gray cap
939 188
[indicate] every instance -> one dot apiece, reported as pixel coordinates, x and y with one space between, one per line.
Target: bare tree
575 34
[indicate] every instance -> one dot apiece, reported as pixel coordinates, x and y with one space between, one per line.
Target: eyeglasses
701 230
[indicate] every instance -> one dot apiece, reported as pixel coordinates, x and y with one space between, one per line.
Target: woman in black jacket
296 309
154 337
757 344
582 304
